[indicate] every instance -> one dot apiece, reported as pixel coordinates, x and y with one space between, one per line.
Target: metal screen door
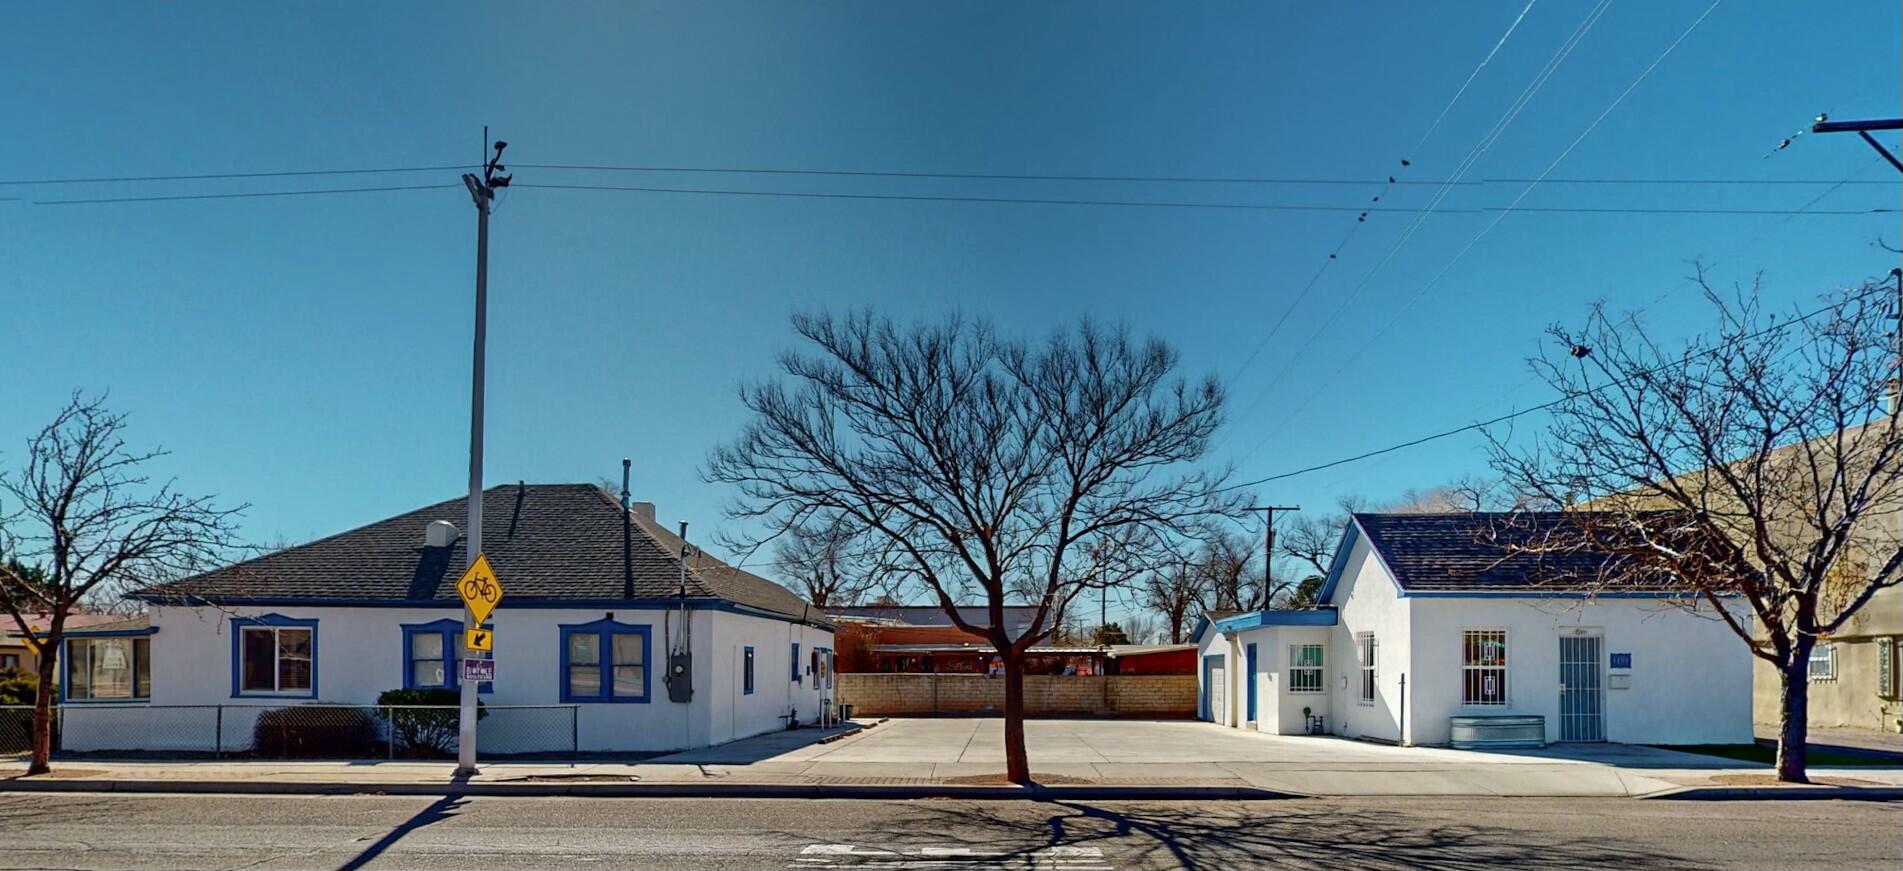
1582 709
1218 691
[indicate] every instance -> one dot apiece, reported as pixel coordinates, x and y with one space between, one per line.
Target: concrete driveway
1181 752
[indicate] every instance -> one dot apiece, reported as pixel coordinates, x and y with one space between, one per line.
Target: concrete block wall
1139 696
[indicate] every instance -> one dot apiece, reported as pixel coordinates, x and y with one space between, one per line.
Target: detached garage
1431 631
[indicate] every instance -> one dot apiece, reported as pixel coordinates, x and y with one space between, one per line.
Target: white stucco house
1428 631
590 620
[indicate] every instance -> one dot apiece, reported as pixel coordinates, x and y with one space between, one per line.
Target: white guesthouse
587 622
1427 634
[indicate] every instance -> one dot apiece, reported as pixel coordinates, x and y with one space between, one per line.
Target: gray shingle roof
1488 550
545 541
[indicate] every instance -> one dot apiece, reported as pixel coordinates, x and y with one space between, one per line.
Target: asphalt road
231 832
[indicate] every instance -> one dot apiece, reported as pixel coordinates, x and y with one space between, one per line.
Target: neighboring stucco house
344 618
1854 680
1421 621
18 652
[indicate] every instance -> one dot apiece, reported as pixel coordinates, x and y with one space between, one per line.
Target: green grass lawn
1766 754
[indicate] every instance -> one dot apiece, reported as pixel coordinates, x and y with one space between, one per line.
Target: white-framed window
9 662
1368 648
1305 668
106 669
1483 667
275 660
1823 662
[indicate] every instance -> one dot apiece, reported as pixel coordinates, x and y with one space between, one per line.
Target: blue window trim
238 625
66 665
453 653
746 671
796 662
605 629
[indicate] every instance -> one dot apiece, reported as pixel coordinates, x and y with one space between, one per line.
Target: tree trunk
1017 764
43 710
1794 716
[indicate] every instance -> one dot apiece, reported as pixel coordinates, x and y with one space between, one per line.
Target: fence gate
1582 709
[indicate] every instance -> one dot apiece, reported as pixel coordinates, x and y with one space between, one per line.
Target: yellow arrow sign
480 589
483 640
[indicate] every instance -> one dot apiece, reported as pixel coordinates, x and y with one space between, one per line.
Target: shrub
18 687
419 733
316 731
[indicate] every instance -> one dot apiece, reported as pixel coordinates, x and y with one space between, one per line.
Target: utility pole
483 191
1268 546
1863 128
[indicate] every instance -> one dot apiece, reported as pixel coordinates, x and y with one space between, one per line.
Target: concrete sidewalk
964 757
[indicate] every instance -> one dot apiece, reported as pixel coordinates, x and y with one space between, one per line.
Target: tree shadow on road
438 810
1230 835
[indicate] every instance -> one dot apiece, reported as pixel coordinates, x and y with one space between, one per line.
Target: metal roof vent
440 533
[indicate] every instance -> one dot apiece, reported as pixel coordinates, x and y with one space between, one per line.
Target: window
429 660
795 659
1368 648
746 671
108 669
431 653
1305 668
1823 662
1886 668
274 655
605 661
1483 667
9 662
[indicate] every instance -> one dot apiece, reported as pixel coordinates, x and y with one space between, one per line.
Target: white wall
1690 681
1368 602
360 654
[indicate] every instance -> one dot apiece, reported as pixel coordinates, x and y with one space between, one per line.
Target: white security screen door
1218 692
1582 710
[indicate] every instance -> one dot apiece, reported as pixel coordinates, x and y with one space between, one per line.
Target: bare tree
97 526
1173 592
1310 539
830 561
1757 464
989 464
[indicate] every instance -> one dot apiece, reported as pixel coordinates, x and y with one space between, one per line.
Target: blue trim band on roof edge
1315 617
1340 563
521 603
108 633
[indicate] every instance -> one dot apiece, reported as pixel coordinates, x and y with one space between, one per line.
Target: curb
659 790
1779 793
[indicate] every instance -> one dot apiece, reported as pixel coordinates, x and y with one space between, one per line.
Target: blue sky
309 355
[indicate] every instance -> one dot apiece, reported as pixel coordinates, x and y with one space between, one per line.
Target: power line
1471 76
1466 163
244 195
853 173
289 173
1462 253
1272 207
1544 405
982 176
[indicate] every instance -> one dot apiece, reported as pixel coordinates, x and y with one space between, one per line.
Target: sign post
480 591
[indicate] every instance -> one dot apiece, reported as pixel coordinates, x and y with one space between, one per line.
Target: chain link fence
313 731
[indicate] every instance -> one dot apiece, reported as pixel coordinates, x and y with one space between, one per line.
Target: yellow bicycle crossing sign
480 589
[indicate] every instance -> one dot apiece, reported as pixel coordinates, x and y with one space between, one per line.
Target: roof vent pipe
440 533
